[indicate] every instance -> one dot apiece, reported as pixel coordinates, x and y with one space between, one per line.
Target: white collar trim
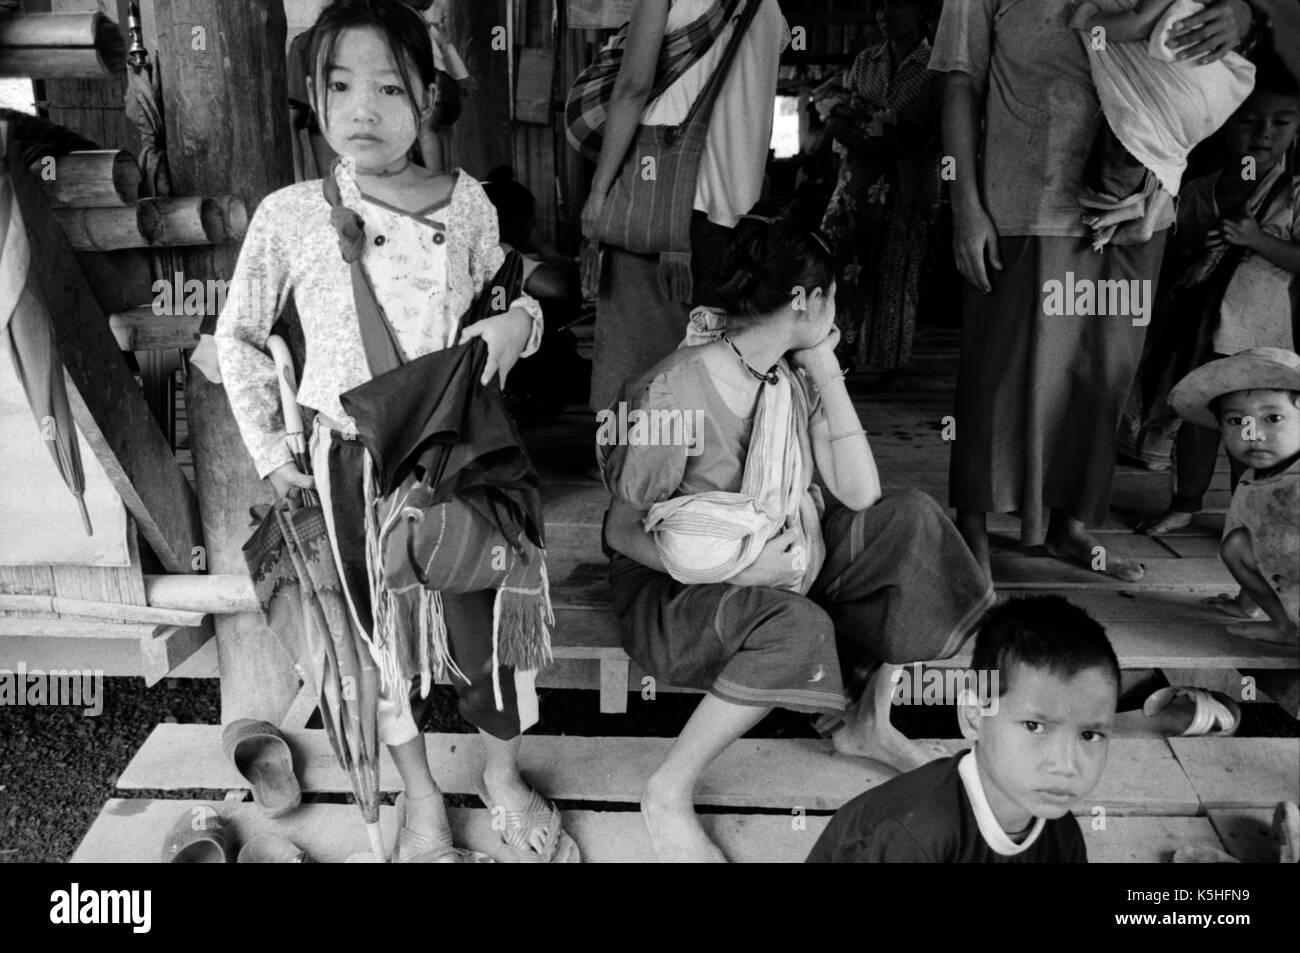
990 829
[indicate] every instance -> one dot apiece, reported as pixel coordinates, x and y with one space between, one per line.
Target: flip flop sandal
1216 715
261 755
1286 831
272 849
199 836
413 848
559 847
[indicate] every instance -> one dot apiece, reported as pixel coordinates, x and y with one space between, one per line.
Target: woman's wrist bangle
847 434
817 386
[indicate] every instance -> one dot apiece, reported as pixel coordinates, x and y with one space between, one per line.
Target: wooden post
481 139
223 79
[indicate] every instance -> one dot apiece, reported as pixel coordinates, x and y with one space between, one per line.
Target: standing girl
429 246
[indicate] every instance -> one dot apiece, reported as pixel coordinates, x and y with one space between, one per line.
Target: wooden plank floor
1142 776
131 831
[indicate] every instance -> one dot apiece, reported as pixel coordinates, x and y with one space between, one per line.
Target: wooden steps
1155 795
131 831
1143 778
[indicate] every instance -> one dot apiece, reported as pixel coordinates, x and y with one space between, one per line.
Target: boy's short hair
1216 404
1045 632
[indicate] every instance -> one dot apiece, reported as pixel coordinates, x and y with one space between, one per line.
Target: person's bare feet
1074 544
1166 522
1240 606
1287 634
890 747
675 831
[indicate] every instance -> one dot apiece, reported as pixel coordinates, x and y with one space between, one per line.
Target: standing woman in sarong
732 573
1039 397
887 194
636 322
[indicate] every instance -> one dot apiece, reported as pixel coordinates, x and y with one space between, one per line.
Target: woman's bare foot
1166 522
1240 606
1068 540
1285 634
675 831
890 747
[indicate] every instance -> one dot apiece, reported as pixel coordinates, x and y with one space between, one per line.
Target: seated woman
728 572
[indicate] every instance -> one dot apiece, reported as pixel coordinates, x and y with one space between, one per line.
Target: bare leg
867 732
1238 554
973 526
668 804
426 815
1069 540
505 786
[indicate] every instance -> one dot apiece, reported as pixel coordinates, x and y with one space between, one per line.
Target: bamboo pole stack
155 223
60 46
104 178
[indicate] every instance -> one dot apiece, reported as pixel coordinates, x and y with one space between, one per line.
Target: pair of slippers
200 836
262 757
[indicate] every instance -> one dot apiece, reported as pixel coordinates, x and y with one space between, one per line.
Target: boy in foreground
1040 748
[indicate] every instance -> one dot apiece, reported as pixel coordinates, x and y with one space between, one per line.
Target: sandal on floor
559 847
271 848
413 848
199 836
262 757
1216 715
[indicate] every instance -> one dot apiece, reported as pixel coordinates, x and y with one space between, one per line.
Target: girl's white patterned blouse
426 269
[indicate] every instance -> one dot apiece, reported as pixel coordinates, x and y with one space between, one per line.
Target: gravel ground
58 767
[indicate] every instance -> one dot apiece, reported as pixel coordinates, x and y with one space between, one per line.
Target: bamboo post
110 229
60 46
103 178
226 112
187 220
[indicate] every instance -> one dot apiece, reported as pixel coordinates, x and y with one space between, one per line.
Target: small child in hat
1253 397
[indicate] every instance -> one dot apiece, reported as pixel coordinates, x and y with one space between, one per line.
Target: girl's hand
287 477
779 564
1213 33
1243 231
1213 237
592 211
506 336
974 235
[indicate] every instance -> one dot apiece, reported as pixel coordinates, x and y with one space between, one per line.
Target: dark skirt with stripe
1039 396
898 586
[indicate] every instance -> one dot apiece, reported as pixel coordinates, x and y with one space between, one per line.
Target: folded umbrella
291 563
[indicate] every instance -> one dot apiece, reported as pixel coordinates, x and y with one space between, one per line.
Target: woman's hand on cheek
506 336
819 361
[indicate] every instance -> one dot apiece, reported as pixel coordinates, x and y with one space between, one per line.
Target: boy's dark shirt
925 816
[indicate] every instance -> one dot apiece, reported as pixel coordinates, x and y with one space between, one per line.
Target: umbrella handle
288 381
